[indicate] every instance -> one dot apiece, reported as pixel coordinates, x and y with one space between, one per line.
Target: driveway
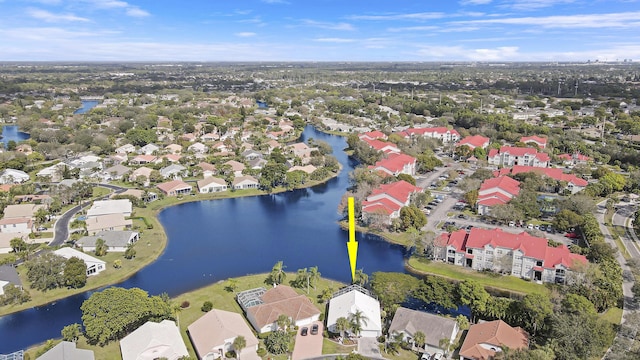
308 346
368 346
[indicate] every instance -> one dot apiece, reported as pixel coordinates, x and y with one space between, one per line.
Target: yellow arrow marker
352 245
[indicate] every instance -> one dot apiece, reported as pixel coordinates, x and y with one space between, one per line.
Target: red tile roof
505 183
381 145
395 162
474 141
373 135
554 173
399 190
540 141
497 333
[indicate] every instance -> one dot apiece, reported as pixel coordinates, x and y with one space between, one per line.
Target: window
539 263
489 252
469 251
499 252
519 258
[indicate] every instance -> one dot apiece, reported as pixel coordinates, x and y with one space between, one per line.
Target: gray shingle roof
111 238
9 273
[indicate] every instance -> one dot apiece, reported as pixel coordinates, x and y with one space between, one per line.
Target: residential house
496 191
173 148
263 307
141 173
154 341
116 159
13 176
16 225
148 149
308 169
125 149
22 210
388 199
211 184
5 240
485 340
9 276
350 300
207 169
434 327
94 265
303 151
116 241
257 164
172 158
474 141
143 159
213 334
396 164
209 137
66 350
116 172
175 188
245 182
510 156
174 171
51 173
106 207
443 134
540 142
236 167
252 155
198 148
110 222
520 255
143 195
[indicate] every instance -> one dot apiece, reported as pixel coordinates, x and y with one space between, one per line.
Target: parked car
425 356
41 228
304 331
571 235
314 329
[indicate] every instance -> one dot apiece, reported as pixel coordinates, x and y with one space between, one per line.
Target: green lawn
221 299
458 273
613 315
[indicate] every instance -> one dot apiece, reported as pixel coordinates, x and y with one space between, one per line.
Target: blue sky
319 30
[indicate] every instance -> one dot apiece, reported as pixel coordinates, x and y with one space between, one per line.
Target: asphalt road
61 227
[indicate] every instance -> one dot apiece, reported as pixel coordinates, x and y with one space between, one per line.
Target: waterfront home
434 327
540 142
173 171
485 340
94 265
9 276
521 255
142 173
349 300
109 222
116 241
236 167
213 334
387 200
148 149
154 341
67 350
207 169
175 188
263 307
245 182
211 184
106 207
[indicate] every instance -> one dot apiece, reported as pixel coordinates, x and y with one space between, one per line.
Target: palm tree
357 320
342 325
277 273
238 344
283 322
314 276
419 339
361 278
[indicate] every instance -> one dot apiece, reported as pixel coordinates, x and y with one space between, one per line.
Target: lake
86 106
11 132
213 240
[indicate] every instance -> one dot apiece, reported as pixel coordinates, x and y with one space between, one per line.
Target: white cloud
413 28
328 25
612 20
51 17
436 52
535 4
245 34
409 16
137 12
335 40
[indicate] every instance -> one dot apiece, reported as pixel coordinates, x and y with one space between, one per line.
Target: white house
107 222
94 265
107 207
148 149
16 225
245 182
13 176
198 148
66 350
125 149
212 184
213 334
154 341
350 300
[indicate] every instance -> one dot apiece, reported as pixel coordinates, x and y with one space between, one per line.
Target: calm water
214 240
10 132
86 106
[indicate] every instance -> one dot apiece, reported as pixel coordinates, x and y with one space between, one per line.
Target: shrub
261 352
207 306
185 304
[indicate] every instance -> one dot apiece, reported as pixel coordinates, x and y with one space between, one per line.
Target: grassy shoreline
145 254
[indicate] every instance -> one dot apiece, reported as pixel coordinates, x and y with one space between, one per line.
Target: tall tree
357 320
45 272
277 275
239 343
71 332
342 325
473 294
314 276
75 273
